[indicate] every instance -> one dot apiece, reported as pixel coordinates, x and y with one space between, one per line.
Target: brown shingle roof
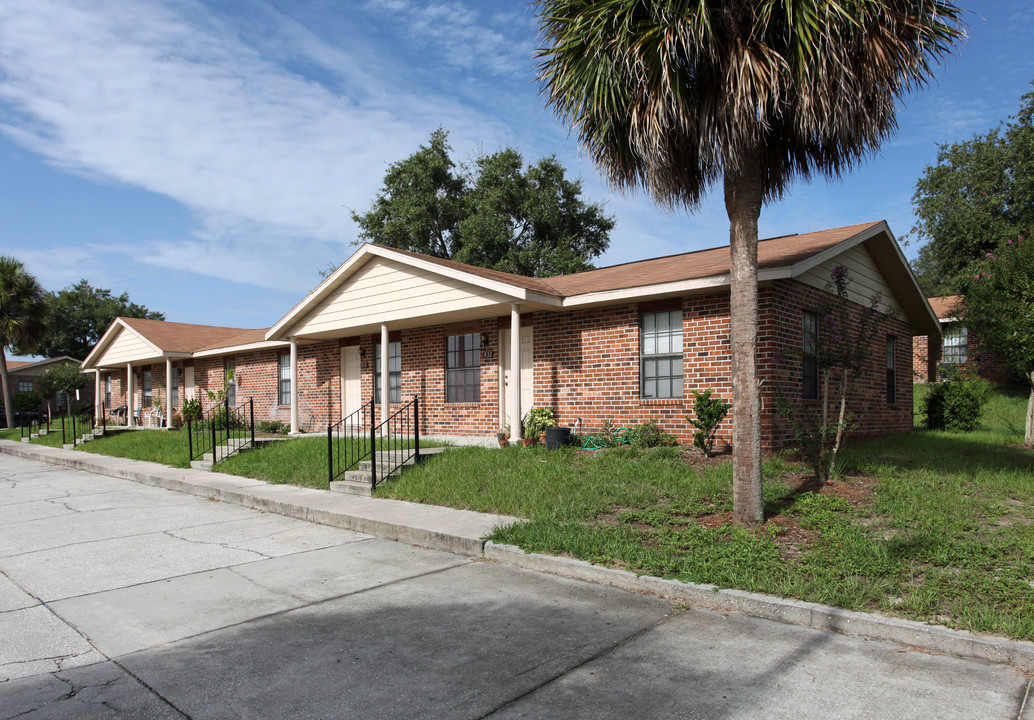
15 364
183 337
772 253
945 307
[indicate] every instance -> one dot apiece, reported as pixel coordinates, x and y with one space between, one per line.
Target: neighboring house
480 347
956 345
23 376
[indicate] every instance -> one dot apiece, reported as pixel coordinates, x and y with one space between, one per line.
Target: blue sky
204 155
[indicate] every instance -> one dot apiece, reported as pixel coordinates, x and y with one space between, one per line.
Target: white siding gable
865 279
385 290
126 347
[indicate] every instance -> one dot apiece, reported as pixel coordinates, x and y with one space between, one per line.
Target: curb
936 639
259 495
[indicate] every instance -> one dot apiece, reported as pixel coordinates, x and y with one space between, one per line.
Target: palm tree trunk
743 198
8 409
1028 435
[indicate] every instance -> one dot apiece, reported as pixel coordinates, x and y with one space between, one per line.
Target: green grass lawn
929 525
160 446
51 439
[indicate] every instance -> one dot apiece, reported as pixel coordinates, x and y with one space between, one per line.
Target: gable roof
31 364
168 339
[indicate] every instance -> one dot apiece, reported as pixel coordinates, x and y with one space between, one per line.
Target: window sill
662 401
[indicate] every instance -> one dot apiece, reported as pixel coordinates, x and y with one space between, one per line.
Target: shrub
192 409
648 435
956 404
82 407
275 427
537 420
710 411
28 401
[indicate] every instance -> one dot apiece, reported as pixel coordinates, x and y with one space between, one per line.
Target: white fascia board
642 292
911 275
48 361
843 246
261 345
503 288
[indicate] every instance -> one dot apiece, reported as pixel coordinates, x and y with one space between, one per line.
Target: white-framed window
107 391
956 344
394 372
462 368
25 386
661 358
174 387
146 385
284 379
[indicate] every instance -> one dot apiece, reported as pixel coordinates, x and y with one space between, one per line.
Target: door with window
527 375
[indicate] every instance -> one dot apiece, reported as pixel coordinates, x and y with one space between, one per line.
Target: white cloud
165 98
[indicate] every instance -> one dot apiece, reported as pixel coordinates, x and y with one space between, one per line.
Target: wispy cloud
166 98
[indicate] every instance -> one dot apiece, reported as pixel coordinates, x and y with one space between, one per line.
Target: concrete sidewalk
463 532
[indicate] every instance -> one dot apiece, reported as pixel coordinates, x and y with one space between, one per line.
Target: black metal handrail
348 441
395 446
81 424
389 444
221 427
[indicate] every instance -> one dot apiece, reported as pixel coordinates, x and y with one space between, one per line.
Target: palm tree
21 318
673 95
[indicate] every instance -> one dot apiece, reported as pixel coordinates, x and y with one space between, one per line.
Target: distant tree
999 305
78 316
979 191
22 311
494 212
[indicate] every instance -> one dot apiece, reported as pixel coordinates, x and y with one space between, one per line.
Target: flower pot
557 437
528 442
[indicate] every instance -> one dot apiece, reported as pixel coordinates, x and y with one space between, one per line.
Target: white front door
527 374
351 380
188 382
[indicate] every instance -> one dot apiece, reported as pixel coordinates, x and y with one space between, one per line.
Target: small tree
709 411
1000 307
61 378
840 352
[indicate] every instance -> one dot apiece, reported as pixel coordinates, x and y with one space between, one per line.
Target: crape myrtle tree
676 96
979 192
999 305
493 212
21 318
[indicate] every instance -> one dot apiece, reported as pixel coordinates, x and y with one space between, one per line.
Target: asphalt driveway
123 600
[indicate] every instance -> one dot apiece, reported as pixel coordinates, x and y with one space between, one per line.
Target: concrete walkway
463 532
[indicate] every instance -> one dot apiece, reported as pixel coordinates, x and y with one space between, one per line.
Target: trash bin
557 437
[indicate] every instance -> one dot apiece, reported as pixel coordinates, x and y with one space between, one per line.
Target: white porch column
515 373
129 394
97 410
383 370
168 392
294 386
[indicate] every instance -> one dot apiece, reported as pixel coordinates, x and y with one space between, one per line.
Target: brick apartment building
480 347
955 345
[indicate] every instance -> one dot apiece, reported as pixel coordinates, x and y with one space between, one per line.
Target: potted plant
503 436
537 420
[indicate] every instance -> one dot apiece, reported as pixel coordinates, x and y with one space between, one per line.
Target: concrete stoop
234 446
357 481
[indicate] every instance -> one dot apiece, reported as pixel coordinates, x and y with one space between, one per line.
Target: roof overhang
117 327
263 345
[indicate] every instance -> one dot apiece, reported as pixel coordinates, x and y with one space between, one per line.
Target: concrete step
201 464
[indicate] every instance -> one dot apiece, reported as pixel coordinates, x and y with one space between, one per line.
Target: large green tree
980 191
78 315
494 212
21 318
999 305
676 96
